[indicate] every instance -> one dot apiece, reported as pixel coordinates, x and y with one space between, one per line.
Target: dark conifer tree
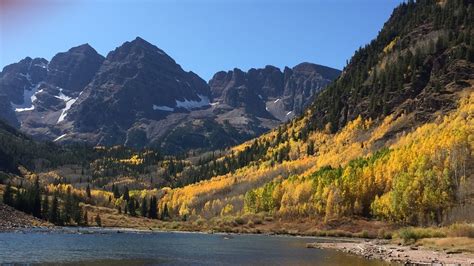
310 150
36 198
98 220
86 218
54 213
78 215
68 213
88 191
126 195
8 195
165 214
45 208
131 207
153 212
144 208
115 191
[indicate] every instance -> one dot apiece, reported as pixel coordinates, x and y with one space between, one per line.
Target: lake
107 247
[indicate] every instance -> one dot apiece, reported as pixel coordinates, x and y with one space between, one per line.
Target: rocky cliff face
139 96
136 81
18 84
37 94
269 92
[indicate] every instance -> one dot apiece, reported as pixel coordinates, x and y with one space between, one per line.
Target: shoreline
372 249
389 252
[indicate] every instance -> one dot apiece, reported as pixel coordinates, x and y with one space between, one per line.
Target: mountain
139 96
271 91
36 94
18 84
137 84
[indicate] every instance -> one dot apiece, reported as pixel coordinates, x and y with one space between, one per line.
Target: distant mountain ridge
139 96
282 94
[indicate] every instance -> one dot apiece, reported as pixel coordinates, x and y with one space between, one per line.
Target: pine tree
88 191
131 207
126 195
310 150
45 208
98 221
144 208
153 212
68 213
86 218
77 213
165 214
8 195
36 195
115 191
54 213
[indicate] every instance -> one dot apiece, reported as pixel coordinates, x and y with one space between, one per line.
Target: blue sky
203 36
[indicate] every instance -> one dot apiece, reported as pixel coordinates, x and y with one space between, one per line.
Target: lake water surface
107 247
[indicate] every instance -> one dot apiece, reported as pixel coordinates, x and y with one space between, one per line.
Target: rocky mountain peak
139 50
310 68
270 92
136 82
74 69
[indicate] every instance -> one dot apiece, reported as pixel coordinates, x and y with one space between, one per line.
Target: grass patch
333 233
382 234
450 244
461 230
410 235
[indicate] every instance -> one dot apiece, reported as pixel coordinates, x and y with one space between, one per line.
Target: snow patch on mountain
42 65
29 96
189 105
163 108
60 137
69 102
186 104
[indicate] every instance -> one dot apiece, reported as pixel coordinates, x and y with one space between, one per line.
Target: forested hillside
391 139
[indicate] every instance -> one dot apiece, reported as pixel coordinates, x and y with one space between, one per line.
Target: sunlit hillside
391 139
415 178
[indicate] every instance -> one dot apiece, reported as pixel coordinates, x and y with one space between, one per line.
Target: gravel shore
384 250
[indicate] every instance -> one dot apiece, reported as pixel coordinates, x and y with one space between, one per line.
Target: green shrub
411 234
382 234
200 222
240 220
268 219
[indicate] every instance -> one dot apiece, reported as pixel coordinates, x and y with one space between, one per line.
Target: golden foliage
421 165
